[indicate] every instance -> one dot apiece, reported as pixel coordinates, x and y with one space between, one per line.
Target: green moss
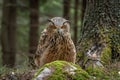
57 74
106 55
79 57
79 54
60 72
97 73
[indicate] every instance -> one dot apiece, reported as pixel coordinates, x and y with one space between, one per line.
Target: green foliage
97 73
106 55
18 69
42 2
79 55
4 70
51 8
115 42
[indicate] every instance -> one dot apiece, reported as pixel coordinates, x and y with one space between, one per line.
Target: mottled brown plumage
55 43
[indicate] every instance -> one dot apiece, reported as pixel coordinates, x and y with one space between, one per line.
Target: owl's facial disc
59 25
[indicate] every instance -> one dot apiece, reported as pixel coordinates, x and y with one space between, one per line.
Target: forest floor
113 70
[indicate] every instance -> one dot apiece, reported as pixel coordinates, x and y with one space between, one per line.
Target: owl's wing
42 42
42 45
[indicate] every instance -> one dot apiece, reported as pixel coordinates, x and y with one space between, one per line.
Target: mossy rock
61 70
106 55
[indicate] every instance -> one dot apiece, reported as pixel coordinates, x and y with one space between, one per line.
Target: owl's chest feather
59 45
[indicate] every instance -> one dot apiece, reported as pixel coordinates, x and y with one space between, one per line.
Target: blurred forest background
21 22
95 27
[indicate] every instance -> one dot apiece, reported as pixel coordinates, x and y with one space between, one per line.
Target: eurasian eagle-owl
55 43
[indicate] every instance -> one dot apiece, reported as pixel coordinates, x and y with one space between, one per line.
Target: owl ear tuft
49 20
67 21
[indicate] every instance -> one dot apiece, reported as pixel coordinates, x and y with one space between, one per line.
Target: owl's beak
59 31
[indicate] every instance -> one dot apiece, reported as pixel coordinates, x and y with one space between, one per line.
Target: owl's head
59 25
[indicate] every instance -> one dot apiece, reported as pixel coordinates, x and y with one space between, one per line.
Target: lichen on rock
61 70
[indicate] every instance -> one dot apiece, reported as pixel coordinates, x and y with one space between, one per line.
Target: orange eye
63 26
52 26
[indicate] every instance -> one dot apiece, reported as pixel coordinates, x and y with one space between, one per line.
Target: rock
61 70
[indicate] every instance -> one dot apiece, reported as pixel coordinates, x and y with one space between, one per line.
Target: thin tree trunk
8 34
76 20
66 9
83 7
34 23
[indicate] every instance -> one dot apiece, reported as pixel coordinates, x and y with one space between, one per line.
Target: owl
55 43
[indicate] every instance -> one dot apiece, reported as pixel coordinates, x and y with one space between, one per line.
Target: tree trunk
66 9
83 7
8 33
100 31
34 23
76 20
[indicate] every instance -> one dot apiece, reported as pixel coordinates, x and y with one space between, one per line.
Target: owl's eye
52 26
63 26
